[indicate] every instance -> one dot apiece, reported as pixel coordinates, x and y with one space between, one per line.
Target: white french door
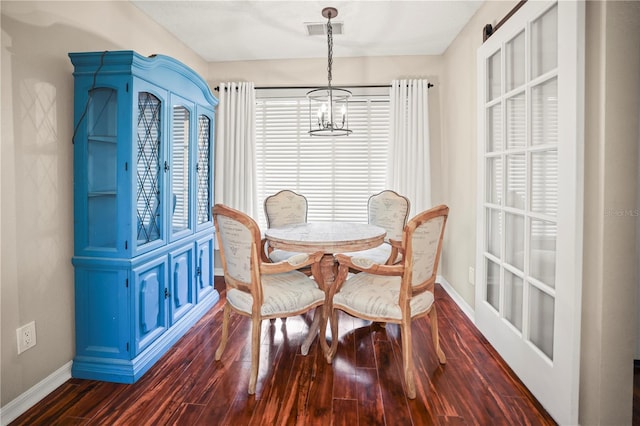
530 185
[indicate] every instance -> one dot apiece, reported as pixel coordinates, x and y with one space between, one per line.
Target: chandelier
329 106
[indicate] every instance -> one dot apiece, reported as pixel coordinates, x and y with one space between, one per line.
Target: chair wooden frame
253 286
408 290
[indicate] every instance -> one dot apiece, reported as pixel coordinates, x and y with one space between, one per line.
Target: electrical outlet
26 336
472 275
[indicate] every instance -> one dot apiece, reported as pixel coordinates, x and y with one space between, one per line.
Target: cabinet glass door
102 137
148 169
202 169
180 169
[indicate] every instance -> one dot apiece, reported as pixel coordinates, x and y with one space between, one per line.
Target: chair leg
334 336
407 359
323 332
313 331
256 324
225 331
433 319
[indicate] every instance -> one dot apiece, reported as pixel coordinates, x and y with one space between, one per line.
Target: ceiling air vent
319 28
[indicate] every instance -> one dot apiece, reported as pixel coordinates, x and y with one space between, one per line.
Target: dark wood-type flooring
362 387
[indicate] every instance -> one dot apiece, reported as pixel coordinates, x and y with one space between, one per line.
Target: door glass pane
494 183
516 180
494 136
516 122
202 169
541 307
180 170
544 182
542 261
544 113
544 42
513 286
514 62
494 76
514 235
493 284
148 169
494 232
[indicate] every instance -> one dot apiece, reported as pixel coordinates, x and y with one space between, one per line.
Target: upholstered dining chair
257 289
398 293
388 210
280 209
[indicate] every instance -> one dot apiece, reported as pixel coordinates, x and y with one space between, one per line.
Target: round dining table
330 238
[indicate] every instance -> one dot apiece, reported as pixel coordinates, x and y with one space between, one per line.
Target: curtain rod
365 86
488 29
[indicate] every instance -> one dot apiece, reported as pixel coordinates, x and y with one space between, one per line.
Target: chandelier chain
330 42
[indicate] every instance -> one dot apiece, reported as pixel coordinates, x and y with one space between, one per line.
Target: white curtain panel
235 178
408 170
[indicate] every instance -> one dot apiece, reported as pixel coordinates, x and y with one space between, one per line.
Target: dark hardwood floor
363 386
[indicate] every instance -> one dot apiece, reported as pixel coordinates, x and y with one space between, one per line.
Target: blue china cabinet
143 189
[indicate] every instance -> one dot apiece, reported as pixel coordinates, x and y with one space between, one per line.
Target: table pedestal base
328 269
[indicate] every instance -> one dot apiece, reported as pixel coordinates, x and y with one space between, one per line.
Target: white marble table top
330 237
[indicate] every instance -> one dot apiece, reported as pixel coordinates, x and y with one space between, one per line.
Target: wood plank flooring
363 386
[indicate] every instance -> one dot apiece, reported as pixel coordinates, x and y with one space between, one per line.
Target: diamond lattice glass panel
544 43
514 62
516 181
494 126
202 169
180 169
544 113
493 284
514 235
494 232
544 182
542 252
494 180
513 287
494 76
148 168
541 319
516 122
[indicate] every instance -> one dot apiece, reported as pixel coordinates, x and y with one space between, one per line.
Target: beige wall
459 122
36 167
611 170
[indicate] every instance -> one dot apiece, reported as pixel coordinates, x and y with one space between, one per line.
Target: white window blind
336 175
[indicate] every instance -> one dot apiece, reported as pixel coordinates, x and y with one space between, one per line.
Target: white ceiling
250 30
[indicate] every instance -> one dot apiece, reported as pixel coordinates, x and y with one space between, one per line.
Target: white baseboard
35 394
464 306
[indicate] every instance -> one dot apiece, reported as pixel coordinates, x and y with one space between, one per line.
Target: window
337 175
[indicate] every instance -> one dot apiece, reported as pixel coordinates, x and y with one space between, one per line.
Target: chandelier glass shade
329 106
